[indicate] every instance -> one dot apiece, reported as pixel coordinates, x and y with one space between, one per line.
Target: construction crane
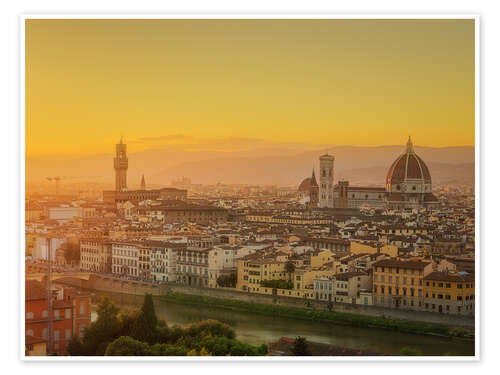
56 179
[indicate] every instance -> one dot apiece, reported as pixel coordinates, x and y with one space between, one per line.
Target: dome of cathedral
408 168
305 185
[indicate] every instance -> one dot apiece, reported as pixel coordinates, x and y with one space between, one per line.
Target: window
56 335
29 315
82 307
45 314
29 332
45 333
56 314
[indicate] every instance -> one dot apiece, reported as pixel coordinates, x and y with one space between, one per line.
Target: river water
259 329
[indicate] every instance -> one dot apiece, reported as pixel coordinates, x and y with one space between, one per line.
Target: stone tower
121 166
143 183
343 200
326 180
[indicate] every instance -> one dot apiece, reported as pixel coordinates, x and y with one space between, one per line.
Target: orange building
70 315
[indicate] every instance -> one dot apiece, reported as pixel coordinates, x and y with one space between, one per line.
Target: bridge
57 275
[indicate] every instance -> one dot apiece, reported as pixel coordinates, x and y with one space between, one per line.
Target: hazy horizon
264 165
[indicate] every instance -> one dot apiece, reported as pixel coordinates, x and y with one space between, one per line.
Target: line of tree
141 333
279 284
228 280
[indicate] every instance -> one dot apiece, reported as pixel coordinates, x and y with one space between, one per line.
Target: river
258 329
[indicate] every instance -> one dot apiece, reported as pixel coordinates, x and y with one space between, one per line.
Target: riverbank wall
117 285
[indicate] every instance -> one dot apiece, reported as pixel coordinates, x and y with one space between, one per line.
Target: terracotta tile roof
410 264
448 276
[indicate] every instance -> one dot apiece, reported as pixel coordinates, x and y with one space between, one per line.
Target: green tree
144 327
104 330
71 252
75 347
227 281
301 347
126 345
289 269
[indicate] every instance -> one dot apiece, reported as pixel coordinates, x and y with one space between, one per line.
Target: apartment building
70 316
449 292
125 258
163 257
399 283
95 255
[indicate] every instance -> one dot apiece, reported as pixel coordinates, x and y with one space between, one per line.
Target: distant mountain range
359 165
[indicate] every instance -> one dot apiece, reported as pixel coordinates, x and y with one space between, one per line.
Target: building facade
400 283
164 260
449 293
95 255
125 258
70 316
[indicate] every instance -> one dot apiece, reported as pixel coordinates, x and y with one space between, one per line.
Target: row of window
396 280
398 269
195 270
396 291
448 285
123 252
45 314
58 313
57 337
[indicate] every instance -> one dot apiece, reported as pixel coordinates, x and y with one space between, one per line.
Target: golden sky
196 82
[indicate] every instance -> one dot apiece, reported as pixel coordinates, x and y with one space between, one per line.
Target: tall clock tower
121 166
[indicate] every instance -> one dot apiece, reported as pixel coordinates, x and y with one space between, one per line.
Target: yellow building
35 346
303 279
399 283
255 268
449 292
360 248
320 258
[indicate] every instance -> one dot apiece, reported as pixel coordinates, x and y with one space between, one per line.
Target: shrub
126 346
410 351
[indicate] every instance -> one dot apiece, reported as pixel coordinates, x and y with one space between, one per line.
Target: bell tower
121 166
326 180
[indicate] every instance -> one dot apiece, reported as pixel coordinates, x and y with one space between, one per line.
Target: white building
163 260
95 255
125 258
324 288
64 213
41 250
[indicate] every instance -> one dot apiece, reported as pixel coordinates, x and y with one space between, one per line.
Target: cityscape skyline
250 187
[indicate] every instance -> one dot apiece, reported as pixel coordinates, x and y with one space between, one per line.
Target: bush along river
257 329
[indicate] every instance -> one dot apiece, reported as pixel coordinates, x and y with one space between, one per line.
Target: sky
231 85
